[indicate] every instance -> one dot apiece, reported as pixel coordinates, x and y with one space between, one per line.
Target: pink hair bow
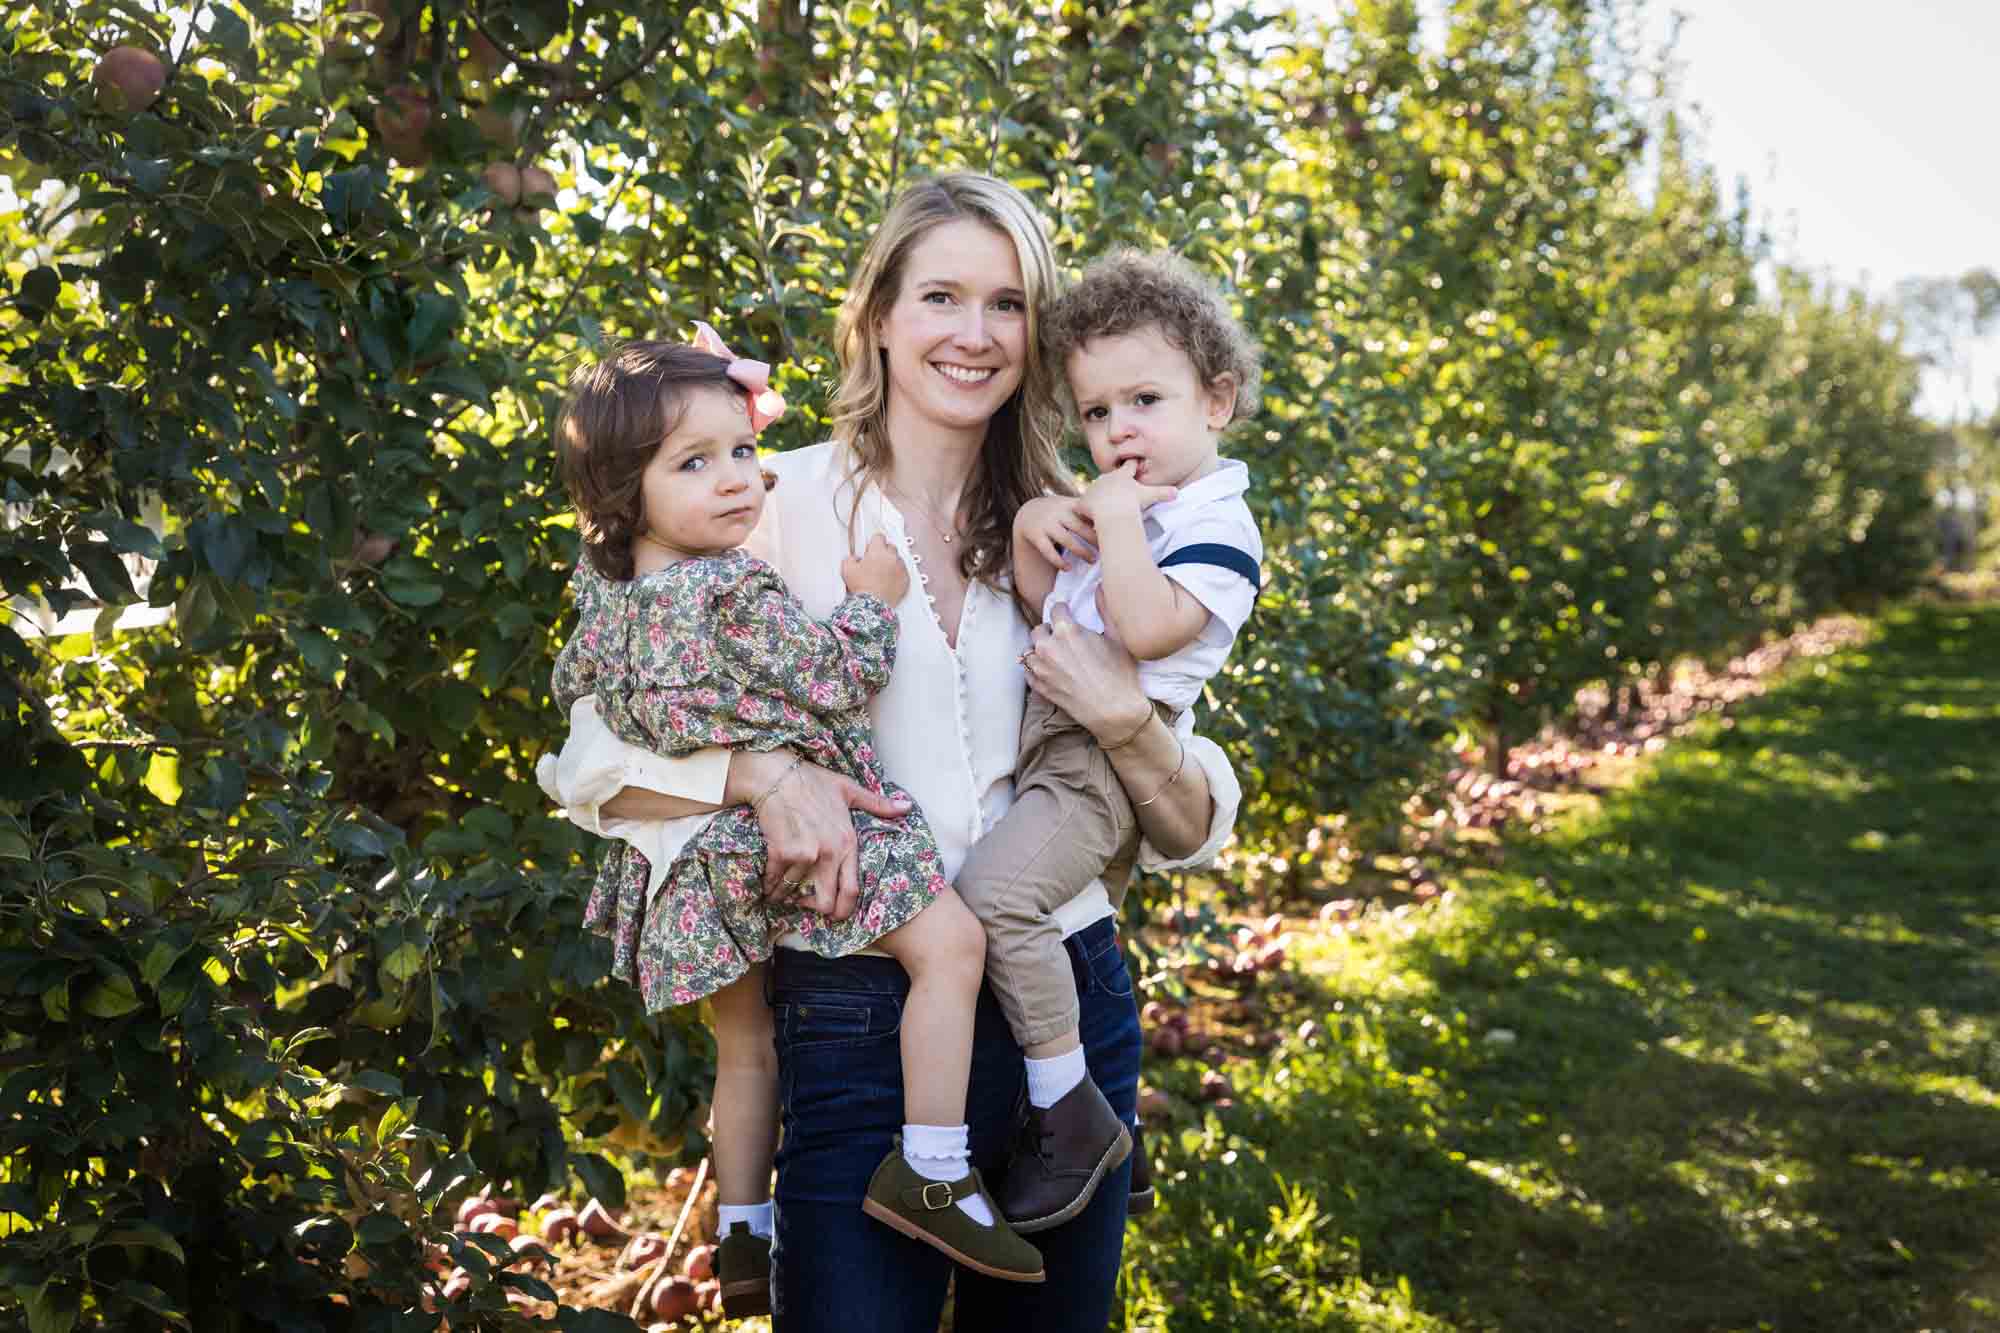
755 377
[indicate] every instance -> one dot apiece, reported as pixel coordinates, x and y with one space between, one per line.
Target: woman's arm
804 817
1096 682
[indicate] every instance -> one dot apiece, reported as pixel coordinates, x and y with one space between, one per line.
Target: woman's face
957 334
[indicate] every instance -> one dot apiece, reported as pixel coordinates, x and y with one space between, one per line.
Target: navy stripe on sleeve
1224 557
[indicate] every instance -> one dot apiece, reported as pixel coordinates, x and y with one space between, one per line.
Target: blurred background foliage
289 941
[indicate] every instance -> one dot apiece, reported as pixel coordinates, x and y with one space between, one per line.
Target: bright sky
1867 132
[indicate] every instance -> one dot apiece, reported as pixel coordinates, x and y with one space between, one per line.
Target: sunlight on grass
1720 1051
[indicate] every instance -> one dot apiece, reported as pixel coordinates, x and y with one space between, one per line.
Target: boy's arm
1152 615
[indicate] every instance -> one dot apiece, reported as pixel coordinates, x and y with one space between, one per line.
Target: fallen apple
700 1263
559 1226
642 1249
676 1298
598 1223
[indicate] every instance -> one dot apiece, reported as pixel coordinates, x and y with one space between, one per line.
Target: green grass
1753 1080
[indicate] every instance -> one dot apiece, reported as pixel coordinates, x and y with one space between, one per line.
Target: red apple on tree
128 79
402 120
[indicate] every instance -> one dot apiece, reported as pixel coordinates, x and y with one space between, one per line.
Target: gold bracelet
1141 805
1119 745
792 768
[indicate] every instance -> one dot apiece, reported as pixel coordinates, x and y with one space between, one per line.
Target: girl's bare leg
944 950
745 1106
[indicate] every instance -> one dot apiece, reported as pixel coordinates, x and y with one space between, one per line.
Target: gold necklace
950 534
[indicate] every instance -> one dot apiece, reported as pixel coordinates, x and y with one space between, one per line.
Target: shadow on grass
1723 1055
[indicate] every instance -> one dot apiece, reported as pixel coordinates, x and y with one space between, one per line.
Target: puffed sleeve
771 644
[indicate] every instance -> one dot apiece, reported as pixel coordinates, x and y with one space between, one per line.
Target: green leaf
107 574
404 961
604 1181
55 1002
113 997
413 593
50 1308
14 845
160 959
40 290
148 1236
387 1085
163 777
356 839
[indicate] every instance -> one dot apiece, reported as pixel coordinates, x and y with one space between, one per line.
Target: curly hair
619 412
1126 291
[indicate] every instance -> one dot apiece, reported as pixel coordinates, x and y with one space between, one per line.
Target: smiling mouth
970 376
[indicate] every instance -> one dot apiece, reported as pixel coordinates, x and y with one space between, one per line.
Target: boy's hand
1055 527
877 570
1121 492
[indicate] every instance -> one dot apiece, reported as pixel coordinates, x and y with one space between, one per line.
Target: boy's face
1141 401
704 489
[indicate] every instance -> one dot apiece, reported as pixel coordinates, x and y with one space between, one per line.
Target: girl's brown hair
1021 458
619 412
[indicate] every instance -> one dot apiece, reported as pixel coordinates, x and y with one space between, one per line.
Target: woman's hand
1089 676
1093 679
809 837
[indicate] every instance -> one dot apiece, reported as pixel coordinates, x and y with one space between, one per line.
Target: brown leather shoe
1061 1154
1143 1198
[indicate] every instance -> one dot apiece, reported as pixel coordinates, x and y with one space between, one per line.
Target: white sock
942 1152
1050 1079
756 1216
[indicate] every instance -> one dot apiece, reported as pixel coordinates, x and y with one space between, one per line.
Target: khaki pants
1071 822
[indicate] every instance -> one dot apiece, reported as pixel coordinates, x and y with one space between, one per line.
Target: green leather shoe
927 1210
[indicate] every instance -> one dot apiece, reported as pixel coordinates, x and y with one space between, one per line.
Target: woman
946 421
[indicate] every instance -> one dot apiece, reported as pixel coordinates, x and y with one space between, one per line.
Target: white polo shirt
1208 512
947 726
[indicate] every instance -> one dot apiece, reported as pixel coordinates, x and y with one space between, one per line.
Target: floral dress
716 651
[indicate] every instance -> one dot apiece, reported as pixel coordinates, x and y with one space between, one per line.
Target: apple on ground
676 1298
700 1263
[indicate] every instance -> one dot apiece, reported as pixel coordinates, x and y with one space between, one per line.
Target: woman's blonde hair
1021 458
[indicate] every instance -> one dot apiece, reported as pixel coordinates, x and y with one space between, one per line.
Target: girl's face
957 334
703 491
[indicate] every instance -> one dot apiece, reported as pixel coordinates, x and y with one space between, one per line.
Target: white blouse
947 726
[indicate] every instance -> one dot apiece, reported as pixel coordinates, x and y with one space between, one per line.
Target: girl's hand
1089 676
878 570
1056 526
810 838
1121 492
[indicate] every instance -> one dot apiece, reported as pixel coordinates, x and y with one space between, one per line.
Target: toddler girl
685 641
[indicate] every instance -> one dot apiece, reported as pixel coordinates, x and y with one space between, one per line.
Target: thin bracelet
1141 805
1119 745
797 759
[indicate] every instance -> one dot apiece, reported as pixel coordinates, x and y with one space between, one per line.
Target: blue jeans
841 1097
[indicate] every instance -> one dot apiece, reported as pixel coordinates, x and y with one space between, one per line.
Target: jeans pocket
1104 967
810 1021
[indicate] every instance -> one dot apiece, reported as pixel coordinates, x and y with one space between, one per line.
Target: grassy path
1721 1054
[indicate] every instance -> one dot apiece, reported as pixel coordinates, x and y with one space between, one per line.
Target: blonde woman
946 422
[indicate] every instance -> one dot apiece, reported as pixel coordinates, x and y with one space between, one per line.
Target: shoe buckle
925 1195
